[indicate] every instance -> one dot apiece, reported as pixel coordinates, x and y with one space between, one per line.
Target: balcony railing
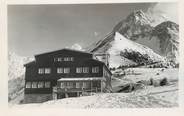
65 90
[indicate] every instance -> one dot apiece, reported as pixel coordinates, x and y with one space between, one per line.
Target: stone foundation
37 98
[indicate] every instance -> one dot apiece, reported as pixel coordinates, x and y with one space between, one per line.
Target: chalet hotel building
65 73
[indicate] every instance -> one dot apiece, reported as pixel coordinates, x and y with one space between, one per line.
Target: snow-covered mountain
137 27
16 65
124 52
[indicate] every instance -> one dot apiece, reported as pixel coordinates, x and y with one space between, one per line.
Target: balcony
68 90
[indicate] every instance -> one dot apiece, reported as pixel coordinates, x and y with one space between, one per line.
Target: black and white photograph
115 55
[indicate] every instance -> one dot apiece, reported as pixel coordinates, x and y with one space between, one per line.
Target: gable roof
64 49
30 63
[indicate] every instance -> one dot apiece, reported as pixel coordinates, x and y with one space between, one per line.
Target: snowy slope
120 46
148 97
158 99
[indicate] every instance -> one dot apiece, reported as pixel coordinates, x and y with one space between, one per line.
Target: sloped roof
30 63
64 49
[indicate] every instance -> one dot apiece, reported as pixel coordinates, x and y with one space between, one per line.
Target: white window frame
40 84
79 70
66 70
34 85
95 69
47 84
62 85
84 85
60 59
85 69
77 84
66 58
40 70
47 70
69 85
28 85
60 70
71 58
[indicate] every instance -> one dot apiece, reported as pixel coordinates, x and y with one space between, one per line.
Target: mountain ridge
137 28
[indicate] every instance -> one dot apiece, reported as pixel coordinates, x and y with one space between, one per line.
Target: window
40 84
85 69
69 85
28 84
47 84
41 71
44 70
60 59
71 58
62 85
95 69
66 59
47 70
59 70
84 85
34 84
66 70
79 70
77 84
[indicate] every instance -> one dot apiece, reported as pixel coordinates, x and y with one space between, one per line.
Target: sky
34 29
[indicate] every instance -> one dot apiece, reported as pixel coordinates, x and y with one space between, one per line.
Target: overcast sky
34 29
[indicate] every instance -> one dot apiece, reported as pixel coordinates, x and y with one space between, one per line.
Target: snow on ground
137 74
149 97
114 100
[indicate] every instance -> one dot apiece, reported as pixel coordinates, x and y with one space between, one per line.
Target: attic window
61 59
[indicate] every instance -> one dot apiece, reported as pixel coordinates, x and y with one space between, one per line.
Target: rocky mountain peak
138 17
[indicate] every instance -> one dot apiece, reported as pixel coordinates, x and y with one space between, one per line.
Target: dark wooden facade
43 74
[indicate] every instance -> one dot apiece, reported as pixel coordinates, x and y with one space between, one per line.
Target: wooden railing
94 89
